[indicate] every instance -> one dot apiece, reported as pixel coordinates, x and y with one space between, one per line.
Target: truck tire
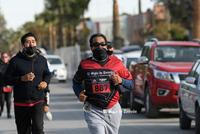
184 121
134 105
150 110
197 121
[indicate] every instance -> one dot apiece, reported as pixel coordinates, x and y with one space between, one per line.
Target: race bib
101 88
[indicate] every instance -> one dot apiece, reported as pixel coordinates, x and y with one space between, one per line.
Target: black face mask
100 53
30 50
109 52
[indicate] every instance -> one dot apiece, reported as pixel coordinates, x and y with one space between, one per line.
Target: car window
144 51
196 73
54 60
148 53
191 73
176 53
129 61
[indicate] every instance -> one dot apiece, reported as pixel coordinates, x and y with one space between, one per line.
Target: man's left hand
42 85
116 79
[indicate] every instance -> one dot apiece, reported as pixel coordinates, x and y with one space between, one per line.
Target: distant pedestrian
6 90
28 72
47 92
102 75
110 49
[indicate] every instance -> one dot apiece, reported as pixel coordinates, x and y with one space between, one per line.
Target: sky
18 12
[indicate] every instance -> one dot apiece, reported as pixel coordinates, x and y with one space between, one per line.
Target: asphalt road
68 117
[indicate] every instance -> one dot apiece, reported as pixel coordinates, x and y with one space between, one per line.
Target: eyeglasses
96 44
3 57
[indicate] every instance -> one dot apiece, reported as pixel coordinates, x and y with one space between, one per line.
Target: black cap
109 45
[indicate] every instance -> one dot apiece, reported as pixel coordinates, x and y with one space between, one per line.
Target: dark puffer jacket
19 66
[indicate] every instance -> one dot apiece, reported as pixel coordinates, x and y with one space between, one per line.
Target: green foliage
69 11
180 10
160 31
5 35
178 33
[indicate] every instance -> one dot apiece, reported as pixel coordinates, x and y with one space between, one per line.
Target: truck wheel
150 110
123 102
184 121
134 105
197 121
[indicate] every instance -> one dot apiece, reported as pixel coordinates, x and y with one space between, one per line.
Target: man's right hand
28 77
82 97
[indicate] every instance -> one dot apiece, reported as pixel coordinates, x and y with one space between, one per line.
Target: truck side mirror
142 60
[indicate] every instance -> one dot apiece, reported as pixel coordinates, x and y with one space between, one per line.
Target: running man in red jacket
102 75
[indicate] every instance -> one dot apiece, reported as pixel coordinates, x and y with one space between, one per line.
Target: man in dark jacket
29 73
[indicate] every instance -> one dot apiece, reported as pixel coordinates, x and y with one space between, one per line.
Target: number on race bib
101 88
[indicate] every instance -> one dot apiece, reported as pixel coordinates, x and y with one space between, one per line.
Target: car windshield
176 53
54 60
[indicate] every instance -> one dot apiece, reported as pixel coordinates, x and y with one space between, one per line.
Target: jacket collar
21 53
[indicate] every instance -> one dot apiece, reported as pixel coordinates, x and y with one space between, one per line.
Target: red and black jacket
101 91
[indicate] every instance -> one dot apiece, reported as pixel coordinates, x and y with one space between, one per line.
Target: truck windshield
176 53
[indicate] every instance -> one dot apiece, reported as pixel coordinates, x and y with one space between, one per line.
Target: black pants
6 96
30 119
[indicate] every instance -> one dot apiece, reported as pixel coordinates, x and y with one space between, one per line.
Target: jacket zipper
32 80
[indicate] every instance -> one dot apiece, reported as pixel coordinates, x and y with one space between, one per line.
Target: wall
71 56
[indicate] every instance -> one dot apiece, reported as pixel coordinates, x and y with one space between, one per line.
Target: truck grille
182 76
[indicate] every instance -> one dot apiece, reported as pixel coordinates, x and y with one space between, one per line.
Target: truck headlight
163 75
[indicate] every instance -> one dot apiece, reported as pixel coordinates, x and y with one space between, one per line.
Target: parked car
130 48
157 75
42 50
127 58
86 54
189 99
59 67
118 53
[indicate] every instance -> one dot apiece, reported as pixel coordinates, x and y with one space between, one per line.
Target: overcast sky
17 12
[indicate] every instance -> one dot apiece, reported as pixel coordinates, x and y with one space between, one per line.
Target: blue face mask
100 53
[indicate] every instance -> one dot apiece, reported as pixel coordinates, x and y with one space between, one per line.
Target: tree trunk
116 30
69 36
196 23
75 35
60 28
64 37
86 33
54 38
139 4
50 37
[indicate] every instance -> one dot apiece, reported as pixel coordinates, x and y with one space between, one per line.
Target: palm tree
116 30
70 12
196 21
139 4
